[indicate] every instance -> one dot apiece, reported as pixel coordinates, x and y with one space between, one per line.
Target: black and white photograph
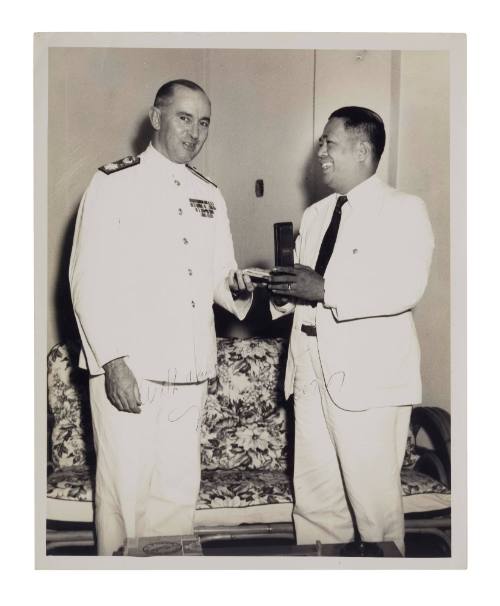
247 276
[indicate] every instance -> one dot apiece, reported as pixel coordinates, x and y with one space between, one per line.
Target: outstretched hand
240 284
297 282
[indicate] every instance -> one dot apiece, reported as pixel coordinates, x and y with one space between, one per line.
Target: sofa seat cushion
242 488
218 488
423 493
242 496
71 484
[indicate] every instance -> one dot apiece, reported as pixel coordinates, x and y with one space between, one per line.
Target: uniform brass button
180 211
185 240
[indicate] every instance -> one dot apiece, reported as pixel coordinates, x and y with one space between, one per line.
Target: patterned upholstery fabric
244 424
411 456
414 482
71 439
259 445
222 488
244 436
242 488
71 484
250 380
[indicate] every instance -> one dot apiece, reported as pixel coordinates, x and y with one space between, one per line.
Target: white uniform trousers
338 452
148 464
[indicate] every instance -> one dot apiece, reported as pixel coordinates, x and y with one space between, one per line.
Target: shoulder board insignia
198 174
114 167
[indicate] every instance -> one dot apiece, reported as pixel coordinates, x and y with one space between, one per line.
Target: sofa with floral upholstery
246 450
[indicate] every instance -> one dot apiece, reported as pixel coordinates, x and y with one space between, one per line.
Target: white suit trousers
339 452
148 464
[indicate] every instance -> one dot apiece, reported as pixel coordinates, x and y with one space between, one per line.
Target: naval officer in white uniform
363 255
152 252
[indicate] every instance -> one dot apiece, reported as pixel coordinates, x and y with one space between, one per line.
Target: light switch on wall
259 188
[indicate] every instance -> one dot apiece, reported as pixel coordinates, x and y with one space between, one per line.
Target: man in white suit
152 252
363 256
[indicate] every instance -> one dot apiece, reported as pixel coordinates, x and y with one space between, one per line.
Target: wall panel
423 169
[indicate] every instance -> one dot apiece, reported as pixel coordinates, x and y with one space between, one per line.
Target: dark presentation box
283 244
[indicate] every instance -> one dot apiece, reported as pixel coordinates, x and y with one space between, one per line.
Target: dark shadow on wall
67 331
258 322
142 137
66 326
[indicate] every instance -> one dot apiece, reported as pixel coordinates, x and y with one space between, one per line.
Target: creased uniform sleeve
392 276
224 261
96 276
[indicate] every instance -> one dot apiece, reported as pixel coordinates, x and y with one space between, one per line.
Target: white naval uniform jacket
378 271
151 254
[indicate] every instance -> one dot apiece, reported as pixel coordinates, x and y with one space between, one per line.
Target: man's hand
240 284
299 282
121 386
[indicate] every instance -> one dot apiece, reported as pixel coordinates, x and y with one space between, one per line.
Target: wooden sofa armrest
435 422
430 464
50 427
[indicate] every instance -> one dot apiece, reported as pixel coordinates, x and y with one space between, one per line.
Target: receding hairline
166 92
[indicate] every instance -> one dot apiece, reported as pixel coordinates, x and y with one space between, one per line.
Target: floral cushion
411 457
259 445
248 391
244 422
68 400
414 482
234 488
243 438
71 484
250 379
216 413
240 488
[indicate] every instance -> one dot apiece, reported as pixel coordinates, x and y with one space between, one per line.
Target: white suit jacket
151 254
378 271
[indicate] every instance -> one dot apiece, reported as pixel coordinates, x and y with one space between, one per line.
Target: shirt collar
363 191
154 157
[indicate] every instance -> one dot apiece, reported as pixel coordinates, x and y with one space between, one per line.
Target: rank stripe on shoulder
114 167
198 174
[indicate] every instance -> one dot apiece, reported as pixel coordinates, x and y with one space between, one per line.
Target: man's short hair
167 90
365 122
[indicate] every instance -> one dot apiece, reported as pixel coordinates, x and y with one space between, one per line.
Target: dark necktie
326 250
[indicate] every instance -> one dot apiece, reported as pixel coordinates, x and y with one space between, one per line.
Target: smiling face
181 124
342 156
